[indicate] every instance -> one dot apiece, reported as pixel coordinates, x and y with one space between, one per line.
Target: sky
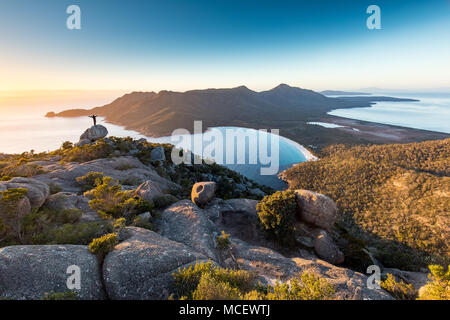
182 45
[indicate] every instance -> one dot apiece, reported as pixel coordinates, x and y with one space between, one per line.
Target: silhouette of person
94 117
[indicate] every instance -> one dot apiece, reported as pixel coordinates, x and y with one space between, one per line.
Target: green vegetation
223 241
52 295
306 287
90 180
101 246
207 282
13 204
88 152
164 201
54 188
46 226
111 201
439 286
398 289
276 213
393 197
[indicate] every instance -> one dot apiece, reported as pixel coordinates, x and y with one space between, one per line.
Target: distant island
284 107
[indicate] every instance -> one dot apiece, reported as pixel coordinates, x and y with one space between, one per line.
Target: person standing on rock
94 117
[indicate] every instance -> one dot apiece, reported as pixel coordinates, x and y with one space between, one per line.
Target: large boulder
28 272
158 154
203 192
149 190
186 223
37 190
316 208
124 168
94 133
327 250
141 267
238 217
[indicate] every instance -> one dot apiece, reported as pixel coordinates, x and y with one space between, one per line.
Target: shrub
12 213
54 188
139 222
223 241
206 282
90 180
210 288
131 181
398 289
79 233
101 246
52 295
188 279
67 145
276 213
164 201
88 152
111 201
439 286
22 169
306 287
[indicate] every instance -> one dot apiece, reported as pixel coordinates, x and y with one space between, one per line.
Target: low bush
188 279
439 286
101 246
210 288
12 213
89 180
276 213
398 289
52 295
99 149
207 282
306 287
54 188
164 201
111 201
223 241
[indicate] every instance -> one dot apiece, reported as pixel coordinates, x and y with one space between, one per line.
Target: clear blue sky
181 45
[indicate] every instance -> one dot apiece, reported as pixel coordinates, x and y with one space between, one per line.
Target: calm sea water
432 112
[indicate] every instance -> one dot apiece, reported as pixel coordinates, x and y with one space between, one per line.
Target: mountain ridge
283 107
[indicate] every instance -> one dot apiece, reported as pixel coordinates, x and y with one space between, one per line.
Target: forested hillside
394 197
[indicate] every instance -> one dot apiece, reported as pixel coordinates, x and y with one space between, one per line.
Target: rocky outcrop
69 200
37 190
149 190
158 154
271 267
203 192
126 168
94 133
186 223
327 250
141 267
316 208
28 272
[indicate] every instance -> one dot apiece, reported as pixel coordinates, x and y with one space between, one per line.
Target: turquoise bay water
432 112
